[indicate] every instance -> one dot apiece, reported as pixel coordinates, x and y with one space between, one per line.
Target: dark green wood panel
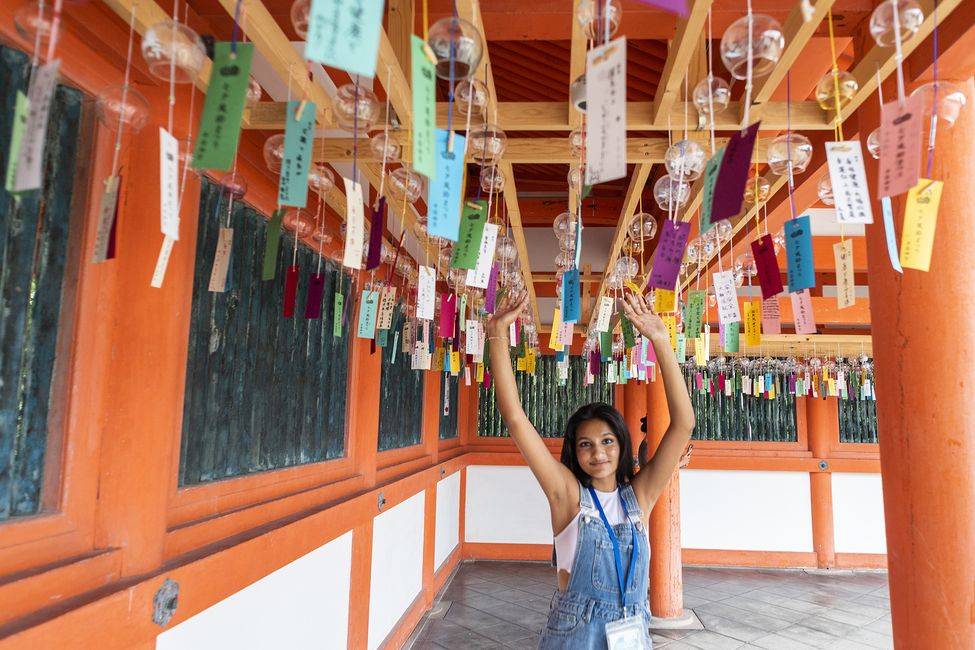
33 253
448 423
400 395
262 391
858 419
741 417
547 404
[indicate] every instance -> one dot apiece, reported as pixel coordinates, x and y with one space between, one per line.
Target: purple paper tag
492 290
290 291
670 252
313 300
769 276
593 363
678 7
729 190
376 226
448 302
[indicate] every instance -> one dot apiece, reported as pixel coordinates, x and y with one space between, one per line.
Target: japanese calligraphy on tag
468 246
424 109
426 293
798 245
483 272
670 252
731 335
843 256
694 313
271 244
605 314
216 141
753 323
553 338
21 111
445 187
729 189
386 306
345 34
221 260
849 180
710 179
802 312
448 312
663 300
30 162
168 185
368 308
606 112
354 224
298 136
107 211
571 307
727 295
629 337
769 276
900 146
771 316
920 220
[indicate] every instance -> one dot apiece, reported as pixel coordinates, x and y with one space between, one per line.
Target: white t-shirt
566 541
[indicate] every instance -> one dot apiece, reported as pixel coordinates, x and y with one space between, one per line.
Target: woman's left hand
644 318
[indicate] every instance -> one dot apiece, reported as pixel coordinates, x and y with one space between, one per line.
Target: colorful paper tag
168 185
663 301
798 243
920 221
21 111
426 293
729 189
219 132
849 181
731 335
606 112
727 295
345 35
354 225
443 207
710 179
30 162
298 136
769 276
900 146
485 272
771 316
468 247
694 313
843 256
272 242
670 253
802 312
221 260
753 323
424 109
571 298
605 314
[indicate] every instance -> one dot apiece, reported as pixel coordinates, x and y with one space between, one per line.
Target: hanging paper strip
920 221
377 225
606 346
670 252
443 209
731 335
368 309
694 312
491 294
221 260
345 35
727 295
468 247
802 312
605 314
337 309
629 338
682 348
729 189
290 291
271 243
663 301
891 234
565 334
710 179
843 256
386 306
107 211
448 304
753 323
426 293
298 136
769 276
424 108
771 323
480 276
670 322
606 112
219 133
571 300
354 224
849 181
313 299
168 185
798 244
900 146
553 338
30 162
21 111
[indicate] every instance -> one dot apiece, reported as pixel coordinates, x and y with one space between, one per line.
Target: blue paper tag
368 309
571 307
345 34
444 200
798 241
298 136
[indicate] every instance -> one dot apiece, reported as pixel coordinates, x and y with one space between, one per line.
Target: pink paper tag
802 312
771 315
900 146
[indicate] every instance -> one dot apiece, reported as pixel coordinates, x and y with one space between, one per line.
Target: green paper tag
298 136
731 337
337 316
424 110
605 346
682 348
710 179
586 191
368 309
629 340
271 243
694 313
21 108
216 142
468 245
463 312
622 372
382 336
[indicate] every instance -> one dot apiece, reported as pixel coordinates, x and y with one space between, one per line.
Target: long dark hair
612 417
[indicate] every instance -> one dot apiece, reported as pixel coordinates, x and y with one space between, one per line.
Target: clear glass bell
299 222
778 241
670 194
385 145
486 144
708 248
596 15
756 189
356 110
745 263
564 223
492 179
567 241
254 91
951 99
909 18
455 39
685 160
300 13
826 89
505 249
31 18
643 227
683 269
577 140
824 190
321 179
789 147
873 143
615 282
692 253
563 260
322 235
117 104
723 230
404 183
274 152
233 184
627 267
577 93
167 41
720 95
471 94
712 298
574 179
766 46
420 229
738 275
457 278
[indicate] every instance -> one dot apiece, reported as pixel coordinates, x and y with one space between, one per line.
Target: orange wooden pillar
666 578
634 408
823 425
923 329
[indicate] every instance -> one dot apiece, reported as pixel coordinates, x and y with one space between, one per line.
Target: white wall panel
745 510
397 566
858 513
304 604
506 505
448 518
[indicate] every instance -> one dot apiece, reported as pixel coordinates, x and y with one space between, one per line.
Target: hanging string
188 157
711 82
934 105
788 130
382 177
233 34
55 29
172 68
836 79
125 89
899 53
355 131
36 58
748 70
450 89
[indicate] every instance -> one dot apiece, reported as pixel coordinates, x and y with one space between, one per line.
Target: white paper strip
473 342
30 164
354 225
168 184
727 295
426 292
221 260
386 306
606 112
162 262
849 180
106 216
565 333
478 276
605 313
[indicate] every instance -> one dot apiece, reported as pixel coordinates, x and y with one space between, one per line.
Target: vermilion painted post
823 426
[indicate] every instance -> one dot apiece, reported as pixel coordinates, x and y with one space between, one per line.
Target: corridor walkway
504 604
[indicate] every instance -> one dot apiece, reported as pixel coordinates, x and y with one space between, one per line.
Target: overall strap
633 511
586 505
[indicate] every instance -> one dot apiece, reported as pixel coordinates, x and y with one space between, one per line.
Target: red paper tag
290 291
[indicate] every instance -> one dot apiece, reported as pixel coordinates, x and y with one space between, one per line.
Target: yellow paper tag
454 363
832 387
530 362
700 351
553 337
753 323
671 323
920 219
663 301
438 360
632 287
480 373
522 365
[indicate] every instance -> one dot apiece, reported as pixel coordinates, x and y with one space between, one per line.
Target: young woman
599 508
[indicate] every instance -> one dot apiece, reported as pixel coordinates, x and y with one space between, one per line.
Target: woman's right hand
506 312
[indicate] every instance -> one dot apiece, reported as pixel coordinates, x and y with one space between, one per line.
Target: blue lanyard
624 579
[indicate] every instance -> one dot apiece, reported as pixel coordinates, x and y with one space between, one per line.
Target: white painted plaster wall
744 510
304 604
397 566
506 505
858 513
448 518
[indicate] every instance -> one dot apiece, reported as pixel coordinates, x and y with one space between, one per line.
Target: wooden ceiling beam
682 47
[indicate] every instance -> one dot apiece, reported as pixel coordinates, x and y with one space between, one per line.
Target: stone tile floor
505 604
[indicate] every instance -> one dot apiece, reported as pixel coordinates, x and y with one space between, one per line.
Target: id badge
627 634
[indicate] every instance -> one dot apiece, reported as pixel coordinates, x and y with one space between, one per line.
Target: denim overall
578 615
